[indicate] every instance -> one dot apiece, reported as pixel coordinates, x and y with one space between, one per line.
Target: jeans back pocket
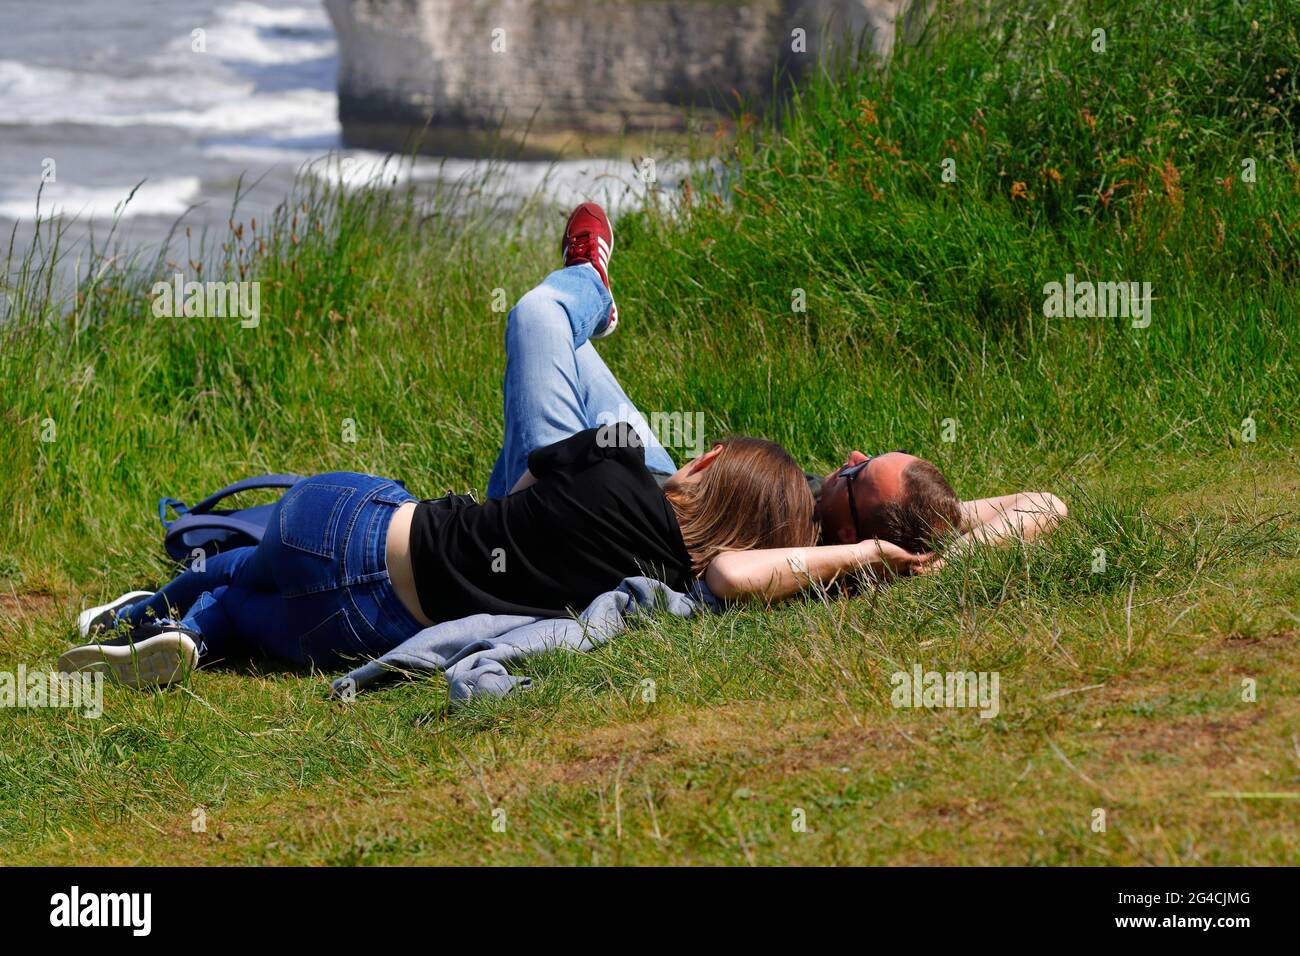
310 517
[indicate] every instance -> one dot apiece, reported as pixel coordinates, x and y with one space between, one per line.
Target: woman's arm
775 573
1023 516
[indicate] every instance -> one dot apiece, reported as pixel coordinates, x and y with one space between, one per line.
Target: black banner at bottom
306 905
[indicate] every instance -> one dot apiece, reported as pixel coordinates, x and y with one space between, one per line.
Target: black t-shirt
594 517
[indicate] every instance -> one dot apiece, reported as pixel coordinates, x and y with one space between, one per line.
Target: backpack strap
191 531
211 501
192 522
175 504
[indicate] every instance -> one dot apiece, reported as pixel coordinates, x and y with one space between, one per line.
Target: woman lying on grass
352 565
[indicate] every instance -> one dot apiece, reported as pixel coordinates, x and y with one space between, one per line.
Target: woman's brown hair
752 495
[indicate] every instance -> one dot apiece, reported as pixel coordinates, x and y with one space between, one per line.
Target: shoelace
579 248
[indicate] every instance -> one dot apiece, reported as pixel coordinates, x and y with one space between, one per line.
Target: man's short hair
929 509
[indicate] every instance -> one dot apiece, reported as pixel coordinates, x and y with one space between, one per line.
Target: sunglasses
848 474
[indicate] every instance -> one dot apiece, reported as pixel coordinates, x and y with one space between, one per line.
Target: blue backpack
211 529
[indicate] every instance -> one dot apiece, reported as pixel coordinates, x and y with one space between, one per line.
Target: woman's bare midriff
397 552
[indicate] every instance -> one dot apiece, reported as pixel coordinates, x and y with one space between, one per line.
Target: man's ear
705 460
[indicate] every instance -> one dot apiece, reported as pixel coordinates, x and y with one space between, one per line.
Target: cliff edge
464 79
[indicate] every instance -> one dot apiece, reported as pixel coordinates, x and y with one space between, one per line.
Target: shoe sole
153 662
612 323
86 619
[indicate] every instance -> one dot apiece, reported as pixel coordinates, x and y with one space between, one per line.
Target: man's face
872 482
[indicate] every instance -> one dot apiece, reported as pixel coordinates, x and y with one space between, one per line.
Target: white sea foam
292 114
43 95
252 33
306 19
616 183
164 197
197 91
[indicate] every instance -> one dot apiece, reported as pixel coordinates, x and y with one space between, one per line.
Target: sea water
177 99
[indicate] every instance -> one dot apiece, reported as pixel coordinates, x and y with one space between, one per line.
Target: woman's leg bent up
555 384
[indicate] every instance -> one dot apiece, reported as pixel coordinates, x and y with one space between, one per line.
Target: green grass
924 304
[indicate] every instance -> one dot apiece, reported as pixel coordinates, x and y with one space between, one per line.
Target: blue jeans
555 382
314 591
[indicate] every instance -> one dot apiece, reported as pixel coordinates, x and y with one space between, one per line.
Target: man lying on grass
352 565
903 499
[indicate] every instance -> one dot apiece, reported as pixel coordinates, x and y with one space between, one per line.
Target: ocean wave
304 18
250 79
43 96
256 34
293 114
616 183
163 197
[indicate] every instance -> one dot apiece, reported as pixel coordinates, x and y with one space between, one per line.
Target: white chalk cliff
453 74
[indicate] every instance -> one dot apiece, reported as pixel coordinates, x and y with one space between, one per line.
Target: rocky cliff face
457 75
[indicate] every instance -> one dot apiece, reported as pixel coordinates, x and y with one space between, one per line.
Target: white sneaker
101 618
151 655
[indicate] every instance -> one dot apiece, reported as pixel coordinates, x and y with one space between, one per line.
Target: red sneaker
588 237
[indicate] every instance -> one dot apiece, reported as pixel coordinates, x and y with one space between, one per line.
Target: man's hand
887 556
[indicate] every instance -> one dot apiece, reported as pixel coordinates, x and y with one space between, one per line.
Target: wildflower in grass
1170 177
